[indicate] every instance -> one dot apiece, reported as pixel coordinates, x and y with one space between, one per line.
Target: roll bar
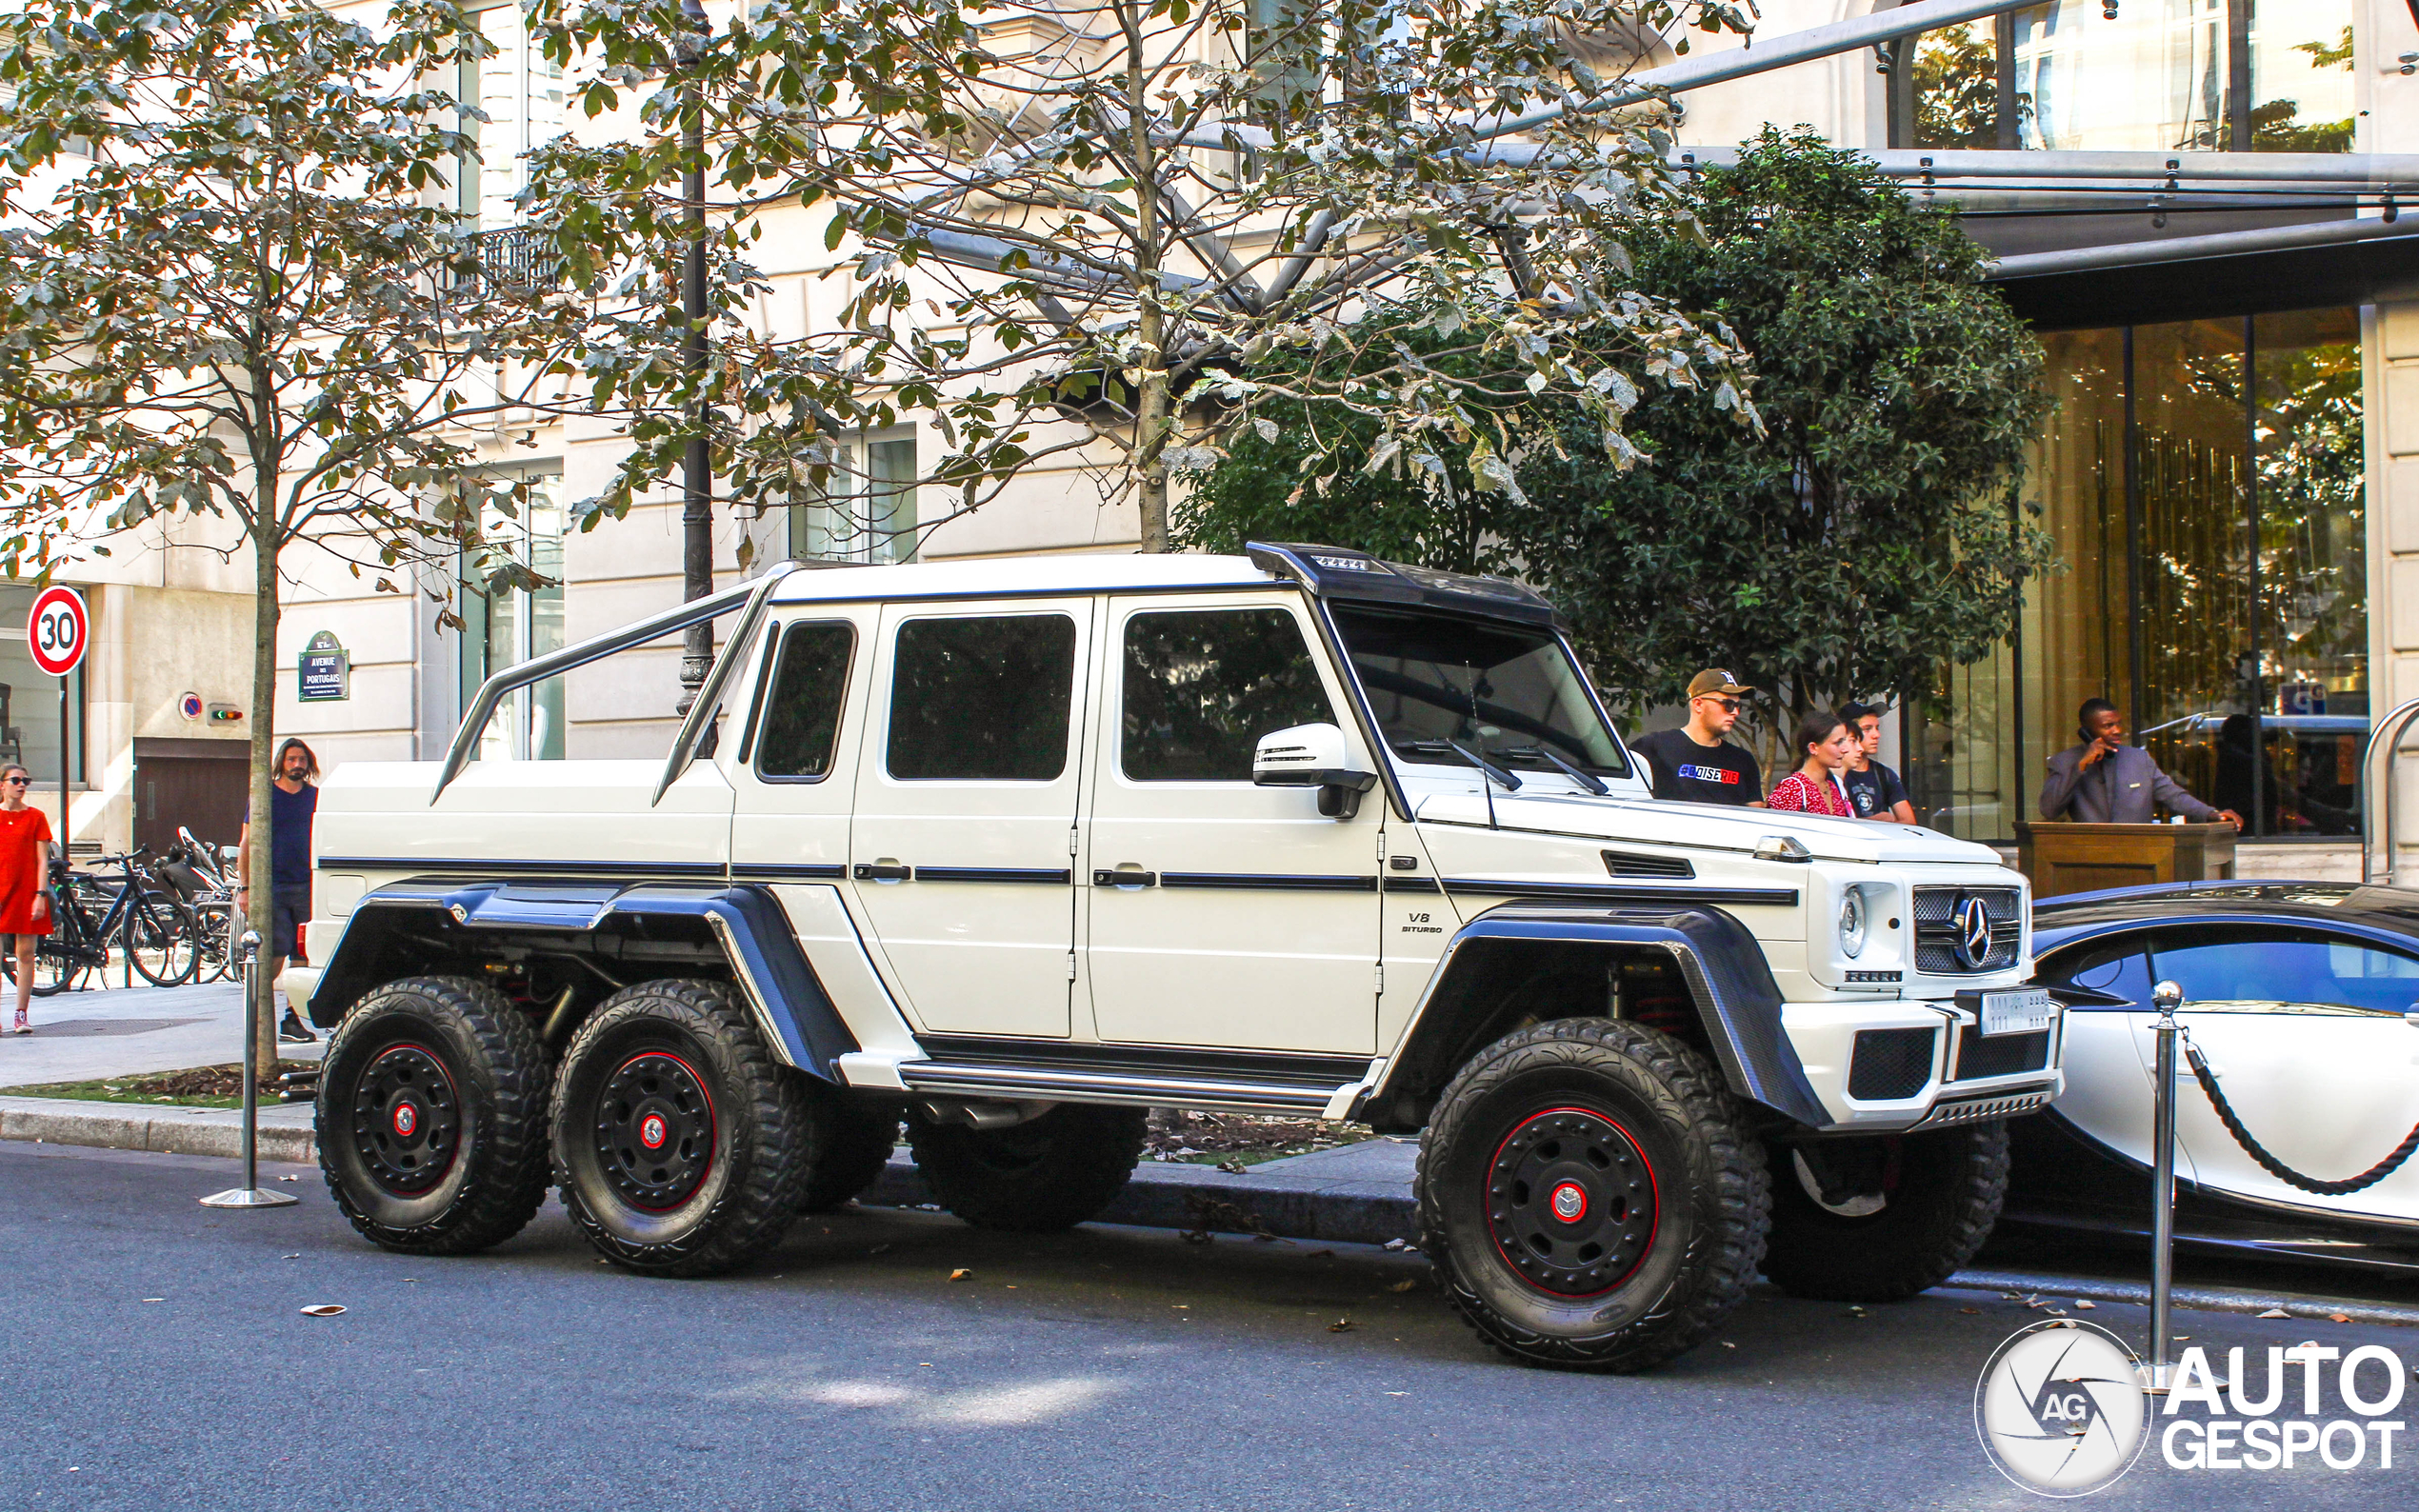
2377 809
538 669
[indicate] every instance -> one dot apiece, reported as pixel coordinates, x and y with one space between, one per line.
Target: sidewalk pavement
128 1031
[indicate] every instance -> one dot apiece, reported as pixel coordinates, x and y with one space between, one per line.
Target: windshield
1507 693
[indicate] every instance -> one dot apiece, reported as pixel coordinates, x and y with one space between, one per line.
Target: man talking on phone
2105 782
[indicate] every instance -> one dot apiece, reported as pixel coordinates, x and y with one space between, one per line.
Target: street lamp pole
697 483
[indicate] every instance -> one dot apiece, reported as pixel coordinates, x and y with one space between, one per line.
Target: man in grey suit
2105 782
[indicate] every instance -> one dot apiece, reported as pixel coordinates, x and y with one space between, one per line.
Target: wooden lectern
2062 857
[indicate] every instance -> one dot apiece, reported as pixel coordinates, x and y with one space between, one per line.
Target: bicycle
202 883
159 934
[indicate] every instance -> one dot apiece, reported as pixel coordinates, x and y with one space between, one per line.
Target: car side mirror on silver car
1313 756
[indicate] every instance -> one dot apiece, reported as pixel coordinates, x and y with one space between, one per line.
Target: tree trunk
260 912
1154 430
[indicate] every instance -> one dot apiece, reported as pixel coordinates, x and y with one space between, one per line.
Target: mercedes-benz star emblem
1974 931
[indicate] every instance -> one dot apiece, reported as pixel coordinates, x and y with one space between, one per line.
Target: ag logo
2061 1408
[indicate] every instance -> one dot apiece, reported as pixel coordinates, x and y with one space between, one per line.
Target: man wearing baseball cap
1694 762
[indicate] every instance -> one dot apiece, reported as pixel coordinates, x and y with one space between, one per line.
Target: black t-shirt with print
1699 774
1874 790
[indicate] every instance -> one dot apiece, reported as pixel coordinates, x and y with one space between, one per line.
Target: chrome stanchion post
2167 997
255 995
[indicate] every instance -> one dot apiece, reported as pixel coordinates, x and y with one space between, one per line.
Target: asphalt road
157 1357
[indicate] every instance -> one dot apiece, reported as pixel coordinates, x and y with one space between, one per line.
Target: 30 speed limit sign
58 631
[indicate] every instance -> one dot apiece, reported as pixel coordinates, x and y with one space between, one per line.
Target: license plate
2023 1010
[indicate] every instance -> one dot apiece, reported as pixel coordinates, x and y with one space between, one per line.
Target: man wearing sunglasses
1694 762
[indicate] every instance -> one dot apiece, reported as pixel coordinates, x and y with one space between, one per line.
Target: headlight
1852 922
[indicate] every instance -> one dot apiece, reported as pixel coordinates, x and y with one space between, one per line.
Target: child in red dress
25 897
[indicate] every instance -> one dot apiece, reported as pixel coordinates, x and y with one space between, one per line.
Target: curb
160 1131
2305 1307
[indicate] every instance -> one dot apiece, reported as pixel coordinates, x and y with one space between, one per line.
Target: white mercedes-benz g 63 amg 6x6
1013 852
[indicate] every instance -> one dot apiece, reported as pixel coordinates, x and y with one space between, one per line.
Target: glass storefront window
2244 670
2164 77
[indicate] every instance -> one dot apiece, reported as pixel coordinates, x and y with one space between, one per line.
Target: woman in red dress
24 896
1824 741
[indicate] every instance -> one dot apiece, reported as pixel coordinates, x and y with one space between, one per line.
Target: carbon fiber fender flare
783 995
1736 996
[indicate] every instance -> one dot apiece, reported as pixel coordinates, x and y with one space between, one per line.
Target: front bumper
1961 1082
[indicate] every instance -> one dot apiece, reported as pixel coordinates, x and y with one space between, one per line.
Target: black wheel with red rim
681 1148
1882 1217
1587 1198
432 1116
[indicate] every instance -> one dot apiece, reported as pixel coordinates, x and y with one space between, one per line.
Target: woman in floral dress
1824 741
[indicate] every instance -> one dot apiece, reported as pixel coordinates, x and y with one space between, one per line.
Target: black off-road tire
1941 1193
1038 1177
859 1135
733 1137
1588 1197
432 1116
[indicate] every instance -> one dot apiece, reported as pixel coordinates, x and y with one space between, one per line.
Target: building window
522 93
507 627
867 513
2206 485
2171 76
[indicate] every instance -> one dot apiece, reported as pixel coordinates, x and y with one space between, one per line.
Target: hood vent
1633 863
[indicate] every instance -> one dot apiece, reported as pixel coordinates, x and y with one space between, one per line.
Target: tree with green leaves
238 303
1091 235
1866 540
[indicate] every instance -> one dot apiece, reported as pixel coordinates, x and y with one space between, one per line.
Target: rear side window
1202 687
801 713
982 700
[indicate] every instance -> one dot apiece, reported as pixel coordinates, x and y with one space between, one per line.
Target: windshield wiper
1585 779
1439 747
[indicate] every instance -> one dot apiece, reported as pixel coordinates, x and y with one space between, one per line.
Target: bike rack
2377 810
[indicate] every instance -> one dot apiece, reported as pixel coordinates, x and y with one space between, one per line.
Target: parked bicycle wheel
59 960
161 937
213 920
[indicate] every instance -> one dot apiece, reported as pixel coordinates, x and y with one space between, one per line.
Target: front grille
1936 934
1889 1064
2000 1055
1630 863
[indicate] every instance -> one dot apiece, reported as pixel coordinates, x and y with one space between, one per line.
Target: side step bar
1063 1084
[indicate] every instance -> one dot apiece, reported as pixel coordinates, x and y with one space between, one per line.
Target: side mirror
1313 756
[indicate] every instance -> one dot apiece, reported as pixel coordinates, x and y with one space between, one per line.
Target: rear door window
982 699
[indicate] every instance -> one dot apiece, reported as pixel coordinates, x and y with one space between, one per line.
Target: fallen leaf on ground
1970 1312
1342 1326
1404 1286
2086 1303
1234 1167
297 1255
155 1298
289 1178
323 1309
878 1249
2337 1317
961 1274
2276 1312
1398 1244
1727 1344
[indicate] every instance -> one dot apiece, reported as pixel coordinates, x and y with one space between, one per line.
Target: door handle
1125 879
884 871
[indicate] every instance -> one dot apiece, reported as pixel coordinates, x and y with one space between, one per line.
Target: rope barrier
2278 1168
